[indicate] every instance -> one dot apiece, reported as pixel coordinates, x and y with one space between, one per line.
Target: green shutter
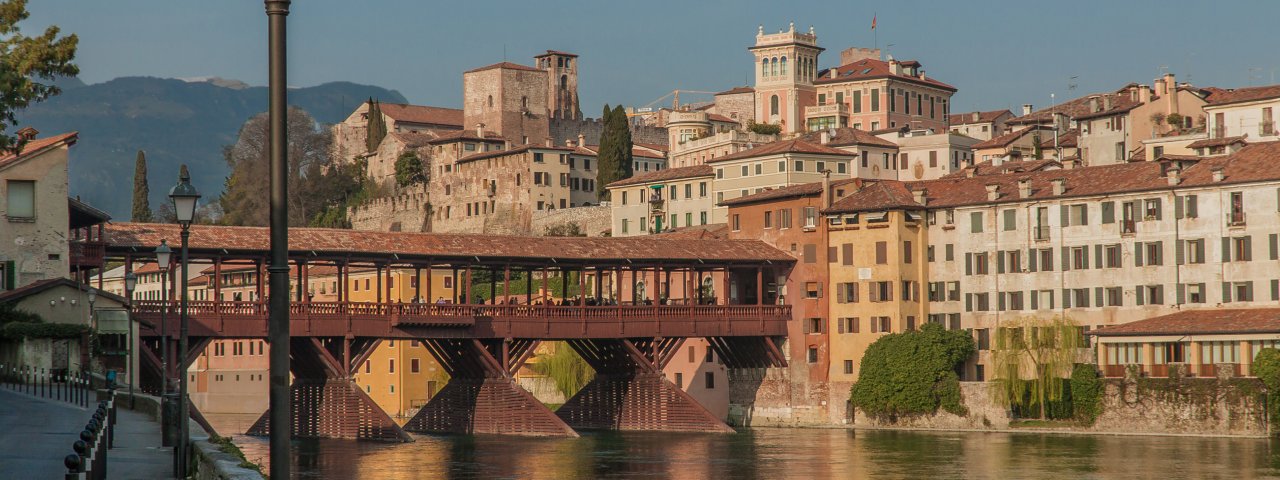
1177 206
1140 293
1066 259
968 264
1191 206
1226 292
10 275
1035 299
1031 260
1137 254
999 262
1097 296
1066 216
1108 212
1097 256
1226 249
1179 252
1182 294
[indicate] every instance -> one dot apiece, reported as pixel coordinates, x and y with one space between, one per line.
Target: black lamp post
164 255
184 197
130 281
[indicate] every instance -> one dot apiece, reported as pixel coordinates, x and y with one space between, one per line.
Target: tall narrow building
786 63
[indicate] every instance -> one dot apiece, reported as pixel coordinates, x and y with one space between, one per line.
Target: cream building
34 214
1244 112
662 200
980 125
776 165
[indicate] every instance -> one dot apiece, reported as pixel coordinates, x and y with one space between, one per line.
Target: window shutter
1066 216
1226 249
1066 259
1141 294
1084 252
1159 295
854 293
1000 301
840 325
1097 297
820 285
1179 253
855 323
1247 254
1191 206
968 264
1066 298
968 302
1035 299
1108 212
1181 292
1226 292
999 262
832 256
1137 254
1200 250
1177 206
887 294
1158 209
1275 290
847 251
875 326
840 293
1097 256
1031 259
1084 215
1275 252
10 274
915 291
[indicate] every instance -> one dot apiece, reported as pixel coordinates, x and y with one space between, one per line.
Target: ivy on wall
913 373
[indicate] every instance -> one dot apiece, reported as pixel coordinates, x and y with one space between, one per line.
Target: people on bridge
440 301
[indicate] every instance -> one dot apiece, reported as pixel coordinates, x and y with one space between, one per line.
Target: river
777 453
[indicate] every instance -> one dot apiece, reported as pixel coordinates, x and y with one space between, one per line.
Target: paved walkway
37 433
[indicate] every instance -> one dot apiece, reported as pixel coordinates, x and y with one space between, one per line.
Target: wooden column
582 286
528 287
564 285
725 282
544 283
493 286
378 279
258 278
304 287
417 284
467 291
759 285
599 285
457 283
506 284
217 279
430 298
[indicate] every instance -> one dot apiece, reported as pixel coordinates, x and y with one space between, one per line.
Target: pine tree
141 202
30 66
377 127
614 156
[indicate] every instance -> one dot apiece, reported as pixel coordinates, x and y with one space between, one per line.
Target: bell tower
562 83
786 64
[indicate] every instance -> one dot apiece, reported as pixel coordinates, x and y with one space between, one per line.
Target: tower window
773 105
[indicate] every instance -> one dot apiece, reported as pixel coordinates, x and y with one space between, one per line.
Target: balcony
834 109
1128 227
1042 234
1235 219
86 253
1267 129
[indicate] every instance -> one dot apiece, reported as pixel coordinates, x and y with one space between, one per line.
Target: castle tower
509 99
786 64
562 83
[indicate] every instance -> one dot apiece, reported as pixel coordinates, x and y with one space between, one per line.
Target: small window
21 196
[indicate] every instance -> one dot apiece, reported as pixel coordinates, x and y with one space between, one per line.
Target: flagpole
875 36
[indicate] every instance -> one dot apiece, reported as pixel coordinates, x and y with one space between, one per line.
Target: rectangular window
413 365
875 103
21 199
848 364
975 222
812 290
810 217
711 380
737 222
1010 219
882 253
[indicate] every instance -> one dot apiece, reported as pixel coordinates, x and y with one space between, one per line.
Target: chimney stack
825 137
977 116
921 196
1106 102
1024 188
1175 176
582 140
1218 174
551 142
480 130
993 192
1059 186
1093 104
895 68
1026 109
969 173
1171 100
826 189
1144 94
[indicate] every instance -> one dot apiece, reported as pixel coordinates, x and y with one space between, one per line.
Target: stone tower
509 99
562 83
786 64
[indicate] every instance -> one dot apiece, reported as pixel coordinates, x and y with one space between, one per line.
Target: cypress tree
614 156
141 203
377 127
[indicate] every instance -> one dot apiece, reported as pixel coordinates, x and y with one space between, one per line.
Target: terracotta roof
1009 166
665 175
37 146
422 114
522 149
700 232
207 239
635 152
1078 108
983 117
468 134
1217 142
846 136
1139 156
869 68
505 66
1067 139
557 52
651 146
792 191
1238 95
42 285
1004 140
1170 157
881 195
716 117
783 146
736 90
1207 321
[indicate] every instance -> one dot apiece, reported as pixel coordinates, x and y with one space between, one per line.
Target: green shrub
764 128
19 330
1266 366
912 373
1086 392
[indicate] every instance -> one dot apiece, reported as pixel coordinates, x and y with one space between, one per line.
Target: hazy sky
999 54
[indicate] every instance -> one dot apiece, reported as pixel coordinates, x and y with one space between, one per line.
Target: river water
779 454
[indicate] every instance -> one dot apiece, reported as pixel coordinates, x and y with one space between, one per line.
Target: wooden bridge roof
396 247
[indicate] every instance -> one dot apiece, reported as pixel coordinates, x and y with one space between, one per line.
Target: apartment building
664 200
979 125
1244 112
776 165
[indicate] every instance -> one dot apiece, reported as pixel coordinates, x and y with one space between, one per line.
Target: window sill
20 219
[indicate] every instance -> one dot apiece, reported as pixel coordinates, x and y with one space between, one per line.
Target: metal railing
54 384
1128 227
89 460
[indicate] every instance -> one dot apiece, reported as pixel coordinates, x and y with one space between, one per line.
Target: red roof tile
1209 321
1217 142
36 146
557 52
870 68
1077 108
1239 95
737 90
422 114
522 149
1067 139
882 195
665 175
1008 166
783 146
983 117
846 136
715 117
792 191
444 247
1006 139
505 66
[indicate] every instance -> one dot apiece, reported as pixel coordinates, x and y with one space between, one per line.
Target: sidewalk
37 433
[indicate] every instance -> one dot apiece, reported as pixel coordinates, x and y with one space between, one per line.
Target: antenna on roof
1071 82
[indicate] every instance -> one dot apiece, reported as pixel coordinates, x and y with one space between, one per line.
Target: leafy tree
409 170
1266 366
376 127
565 367
764 128
316 181
1174 120
1086 392
569 229
26 61
614 157
1030 359
141 203
913 372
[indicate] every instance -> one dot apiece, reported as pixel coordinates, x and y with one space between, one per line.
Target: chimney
1106 102
977 116
1024 188
825 137
568 143
1218 175
1175 176
826 189
480 130
1144 94
1059 186
551 142
895 68
970 172
582 140
834 71
993 192
27 133
1093 104
922 77
1171 100
921 196
1026 109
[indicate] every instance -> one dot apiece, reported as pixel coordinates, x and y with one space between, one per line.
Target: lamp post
130 281
164 255
281 420
184 197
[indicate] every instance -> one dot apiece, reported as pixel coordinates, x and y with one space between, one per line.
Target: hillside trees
26 62
614 158
141 204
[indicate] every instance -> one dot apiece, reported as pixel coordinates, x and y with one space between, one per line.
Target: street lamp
184 197
164 254
130 282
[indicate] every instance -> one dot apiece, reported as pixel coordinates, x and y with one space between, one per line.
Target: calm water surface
779 453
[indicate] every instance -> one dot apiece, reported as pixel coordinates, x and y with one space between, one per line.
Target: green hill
175 122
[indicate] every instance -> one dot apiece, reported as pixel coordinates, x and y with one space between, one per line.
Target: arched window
490 101
773 66
773 105
564 82
764 67
784 65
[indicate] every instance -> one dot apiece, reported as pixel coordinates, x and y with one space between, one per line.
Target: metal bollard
86 436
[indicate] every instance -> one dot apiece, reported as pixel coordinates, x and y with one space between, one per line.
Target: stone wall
778 397
593 221
567 129
984 413
1206 406
406 212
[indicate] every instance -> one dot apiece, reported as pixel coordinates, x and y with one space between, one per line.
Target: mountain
175 122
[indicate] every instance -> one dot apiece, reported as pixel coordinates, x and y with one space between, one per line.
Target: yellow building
876 273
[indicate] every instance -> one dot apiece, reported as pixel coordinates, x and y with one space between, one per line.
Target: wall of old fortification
405 212
591 128
593 221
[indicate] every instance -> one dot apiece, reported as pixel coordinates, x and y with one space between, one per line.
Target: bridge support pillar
631 393
327 403
481 395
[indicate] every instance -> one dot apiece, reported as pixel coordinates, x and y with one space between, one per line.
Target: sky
999 54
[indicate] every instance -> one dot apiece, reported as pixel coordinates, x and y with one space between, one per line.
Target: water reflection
784 453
